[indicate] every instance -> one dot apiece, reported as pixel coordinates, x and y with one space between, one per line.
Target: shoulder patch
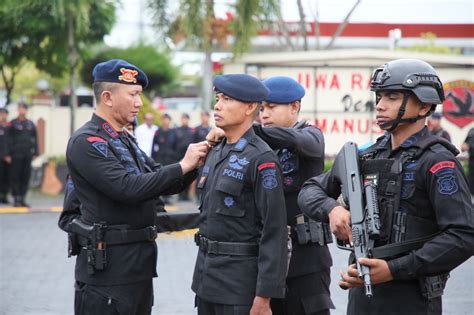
441 165
241 144
101 147
269 180
266 165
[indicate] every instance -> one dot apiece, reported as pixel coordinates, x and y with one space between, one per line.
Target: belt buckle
153 231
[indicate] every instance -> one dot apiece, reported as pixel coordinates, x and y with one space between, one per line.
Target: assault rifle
362 201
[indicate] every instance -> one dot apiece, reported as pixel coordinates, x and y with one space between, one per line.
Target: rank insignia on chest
236 163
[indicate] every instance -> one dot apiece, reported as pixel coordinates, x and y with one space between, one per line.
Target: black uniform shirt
22 135
117 183
434 189
300 151
164 146
4 142
242 201
200 133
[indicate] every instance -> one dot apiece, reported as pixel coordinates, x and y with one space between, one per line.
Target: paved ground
36 276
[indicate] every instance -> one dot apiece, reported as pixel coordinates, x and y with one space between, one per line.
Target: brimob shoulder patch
101 147
269 180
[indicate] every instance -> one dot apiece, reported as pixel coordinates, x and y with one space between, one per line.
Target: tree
53 34
157 66
197 23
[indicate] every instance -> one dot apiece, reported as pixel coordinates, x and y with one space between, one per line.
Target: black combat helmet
409 75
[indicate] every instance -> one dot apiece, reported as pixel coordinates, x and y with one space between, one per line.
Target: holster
73 247
309 231
433 287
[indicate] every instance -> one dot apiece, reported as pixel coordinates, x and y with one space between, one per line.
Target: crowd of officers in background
167 144
18 148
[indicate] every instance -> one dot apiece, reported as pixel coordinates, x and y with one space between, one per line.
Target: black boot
23 202
3 198
17 201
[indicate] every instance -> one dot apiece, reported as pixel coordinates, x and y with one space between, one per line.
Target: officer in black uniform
117 187
242 258
23 149
426 213
184 136
5 158
164 143
201 131
300 150
468 146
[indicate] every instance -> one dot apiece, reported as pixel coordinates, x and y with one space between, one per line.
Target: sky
133 20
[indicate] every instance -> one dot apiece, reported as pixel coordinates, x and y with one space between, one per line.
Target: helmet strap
392 124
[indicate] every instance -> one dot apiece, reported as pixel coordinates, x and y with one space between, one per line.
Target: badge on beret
128 75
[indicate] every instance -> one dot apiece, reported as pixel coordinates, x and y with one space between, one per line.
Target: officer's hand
8 159
464 147
261 306
194 155
215 136
339 221
379 271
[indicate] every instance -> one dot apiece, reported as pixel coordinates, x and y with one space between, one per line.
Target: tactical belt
308 231
225 248
124 236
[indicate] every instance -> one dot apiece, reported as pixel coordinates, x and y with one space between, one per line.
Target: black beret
241 87
436 115
283 90
119 71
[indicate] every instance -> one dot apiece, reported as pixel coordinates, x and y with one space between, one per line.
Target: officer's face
230 112
3 117
126 102
281 115
389 102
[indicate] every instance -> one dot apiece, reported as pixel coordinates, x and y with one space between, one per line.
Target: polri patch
447 182
269 180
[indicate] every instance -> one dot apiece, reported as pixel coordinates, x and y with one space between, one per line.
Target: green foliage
328 165
157 66
428 44
36 31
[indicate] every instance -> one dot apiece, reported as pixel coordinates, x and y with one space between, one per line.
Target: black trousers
306 295
128 299
20 173
4 178
209 308
392 298
470 176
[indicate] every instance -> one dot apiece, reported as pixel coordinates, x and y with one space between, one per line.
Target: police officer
5 158
184 136
242 257
300 150
426 212
164 143
23 149
468 146
117 187
434 125
201 131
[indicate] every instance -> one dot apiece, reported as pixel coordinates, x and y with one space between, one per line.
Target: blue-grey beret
119 71
436 115
241 87
283 90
